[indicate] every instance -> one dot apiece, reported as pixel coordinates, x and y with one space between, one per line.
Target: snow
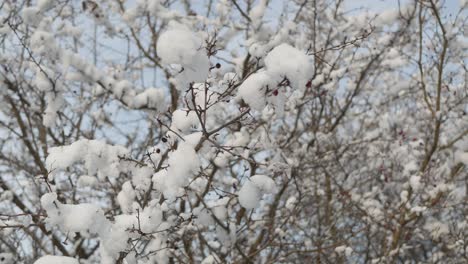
461 156
87 181
437 229
264 183
6 196
387 17
418 209
141 179
99 158
198 185
183 163
89 219
251 192
84 218
183 121
253 90
43 42
49 259
238 139
284 61
249 195
210 260
415 182
179 46
42 82
193 139
126 197
291 202
203 217
150 98
287 61
7 258
256 14
54 104
340 249
404 196
150 220
31 15
155 7
44 4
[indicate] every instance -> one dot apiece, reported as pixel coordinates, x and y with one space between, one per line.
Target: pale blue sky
380 5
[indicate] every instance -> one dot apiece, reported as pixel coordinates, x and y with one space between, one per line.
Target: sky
380 5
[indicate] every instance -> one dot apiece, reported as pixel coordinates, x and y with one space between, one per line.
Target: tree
233 131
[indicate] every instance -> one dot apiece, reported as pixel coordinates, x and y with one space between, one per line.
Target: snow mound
251 192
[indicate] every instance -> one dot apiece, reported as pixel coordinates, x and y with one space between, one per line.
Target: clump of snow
198 185
283 65
239 139
340 249
183 163
418 209
344 249
251 192
291 202
387 17
157 9
151 98
43 42
249 195
211 259
6 196
183 49
31 15
126 197
253 90
42 82
54 103
436 228
193 139
123 88
45 4
7 258
141 179
88 219
49 259
149 220
87 181
183 121
203 217
257 13
84 218
373 207
99 158
461 156
285 61
415 182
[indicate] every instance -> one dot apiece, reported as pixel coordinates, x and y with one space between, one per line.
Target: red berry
275 92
